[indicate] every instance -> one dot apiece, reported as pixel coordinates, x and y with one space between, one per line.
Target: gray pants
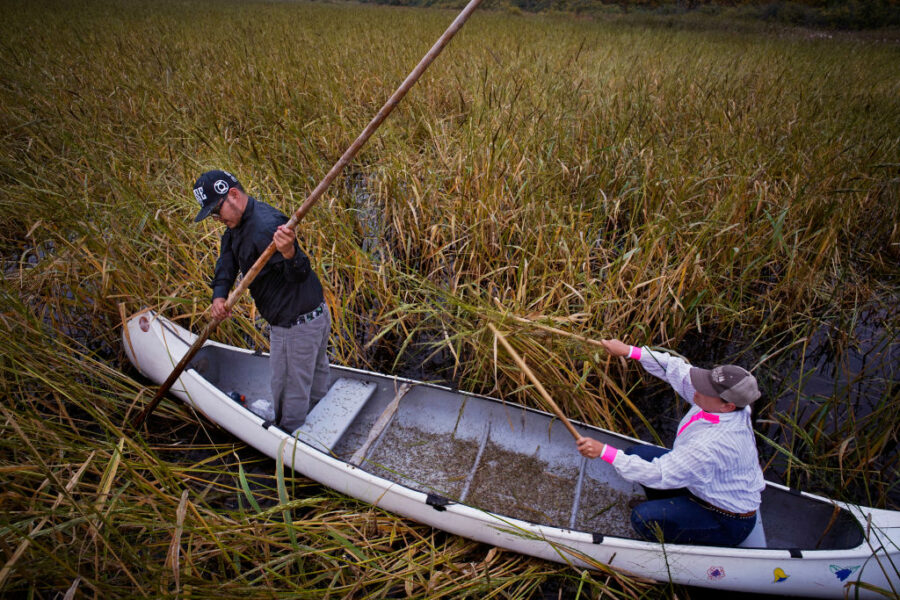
299 360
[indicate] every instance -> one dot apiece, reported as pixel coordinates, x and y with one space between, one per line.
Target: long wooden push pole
313 197
540 388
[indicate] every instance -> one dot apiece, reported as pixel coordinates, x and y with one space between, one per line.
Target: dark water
862 369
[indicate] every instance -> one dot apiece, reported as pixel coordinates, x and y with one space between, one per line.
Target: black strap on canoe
597 538
267 423
795 552
438 503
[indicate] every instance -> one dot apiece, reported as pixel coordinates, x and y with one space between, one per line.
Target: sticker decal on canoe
716 573
843 573
780 575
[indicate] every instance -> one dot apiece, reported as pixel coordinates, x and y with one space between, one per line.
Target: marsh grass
727 194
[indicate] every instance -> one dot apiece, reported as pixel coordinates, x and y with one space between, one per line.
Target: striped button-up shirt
714 455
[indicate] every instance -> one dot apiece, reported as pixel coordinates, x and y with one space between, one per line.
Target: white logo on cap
221 186
199 195
718 375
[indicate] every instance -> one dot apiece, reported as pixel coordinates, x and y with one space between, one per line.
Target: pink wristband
635 353
609 453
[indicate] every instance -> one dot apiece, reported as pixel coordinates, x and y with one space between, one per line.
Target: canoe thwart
579 487
471 476
380 423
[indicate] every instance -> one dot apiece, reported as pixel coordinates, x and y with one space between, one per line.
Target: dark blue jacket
284 289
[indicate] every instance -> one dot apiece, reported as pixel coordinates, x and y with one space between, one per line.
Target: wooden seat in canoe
333 414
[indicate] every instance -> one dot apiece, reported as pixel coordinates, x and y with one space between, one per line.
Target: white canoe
511 477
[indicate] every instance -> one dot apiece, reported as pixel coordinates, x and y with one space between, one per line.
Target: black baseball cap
210 188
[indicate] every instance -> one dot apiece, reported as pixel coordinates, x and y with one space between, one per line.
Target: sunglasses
217 209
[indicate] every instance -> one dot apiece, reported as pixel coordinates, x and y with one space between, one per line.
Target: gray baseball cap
731 383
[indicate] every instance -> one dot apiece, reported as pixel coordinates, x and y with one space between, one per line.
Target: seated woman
706 489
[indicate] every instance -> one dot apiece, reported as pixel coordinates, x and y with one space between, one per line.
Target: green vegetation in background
607 177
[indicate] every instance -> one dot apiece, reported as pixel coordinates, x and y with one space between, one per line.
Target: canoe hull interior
510 476
527 465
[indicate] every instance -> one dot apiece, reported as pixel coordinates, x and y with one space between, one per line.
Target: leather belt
706 504
310 316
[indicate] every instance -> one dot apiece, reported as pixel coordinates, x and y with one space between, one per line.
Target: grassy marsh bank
719 192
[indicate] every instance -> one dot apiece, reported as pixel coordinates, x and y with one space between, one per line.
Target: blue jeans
682 518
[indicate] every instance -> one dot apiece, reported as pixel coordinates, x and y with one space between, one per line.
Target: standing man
287 292
706 490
